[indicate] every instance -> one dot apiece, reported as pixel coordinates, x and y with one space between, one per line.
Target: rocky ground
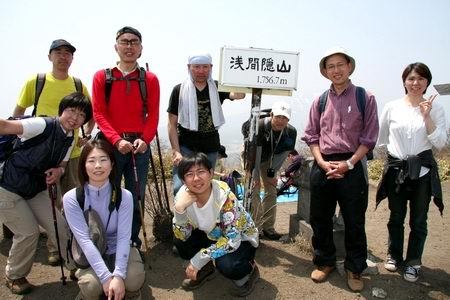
285 268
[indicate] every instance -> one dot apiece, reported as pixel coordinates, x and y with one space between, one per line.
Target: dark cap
222 151
61 43
128 29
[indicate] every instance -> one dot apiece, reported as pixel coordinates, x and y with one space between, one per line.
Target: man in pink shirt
339 134
127 118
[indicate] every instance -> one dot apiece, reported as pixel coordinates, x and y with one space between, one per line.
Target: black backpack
40 82
360 101
245 129
142 86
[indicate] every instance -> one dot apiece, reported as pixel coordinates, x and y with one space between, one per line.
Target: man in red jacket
127 118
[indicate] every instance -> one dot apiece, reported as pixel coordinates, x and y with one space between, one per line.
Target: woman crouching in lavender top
120 271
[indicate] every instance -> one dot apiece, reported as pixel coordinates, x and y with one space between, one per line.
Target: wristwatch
349 164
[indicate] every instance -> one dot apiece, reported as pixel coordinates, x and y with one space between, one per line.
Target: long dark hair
91 145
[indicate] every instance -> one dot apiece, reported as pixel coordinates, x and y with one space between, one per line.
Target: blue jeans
235 265
418 192
124 167
177 182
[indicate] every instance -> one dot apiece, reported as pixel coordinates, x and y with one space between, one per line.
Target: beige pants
91 287
264 213
24 217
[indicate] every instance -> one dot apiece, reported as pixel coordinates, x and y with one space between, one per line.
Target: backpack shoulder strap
78 84
108 84
40 82
361 100
79 192
116 199
323 101
143 89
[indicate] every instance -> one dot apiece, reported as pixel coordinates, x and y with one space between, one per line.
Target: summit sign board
269 70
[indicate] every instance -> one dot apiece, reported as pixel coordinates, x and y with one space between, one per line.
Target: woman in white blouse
410 127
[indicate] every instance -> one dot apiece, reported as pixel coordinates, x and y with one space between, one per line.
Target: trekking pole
52 194
161 164
138 194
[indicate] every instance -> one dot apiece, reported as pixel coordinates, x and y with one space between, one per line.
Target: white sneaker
390 264
411 273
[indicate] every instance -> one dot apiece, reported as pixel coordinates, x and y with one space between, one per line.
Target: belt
131 136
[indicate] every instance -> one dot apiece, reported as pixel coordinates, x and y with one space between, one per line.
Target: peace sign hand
426 106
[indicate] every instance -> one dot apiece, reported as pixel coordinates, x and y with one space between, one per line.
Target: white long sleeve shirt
403 131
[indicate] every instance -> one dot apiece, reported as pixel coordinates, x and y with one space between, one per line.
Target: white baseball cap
281 109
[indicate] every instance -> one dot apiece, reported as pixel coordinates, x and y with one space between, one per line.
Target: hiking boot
18 286
391 264
53 258
271 234
320 274
354 281
204 274
247 288
411 273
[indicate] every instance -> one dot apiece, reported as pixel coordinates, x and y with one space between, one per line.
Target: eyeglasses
337 66
132 43
200 173
73 112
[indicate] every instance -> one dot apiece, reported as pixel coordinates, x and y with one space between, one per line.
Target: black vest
23 172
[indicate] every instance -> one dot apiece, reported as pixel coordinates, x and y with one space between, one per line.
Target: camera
270 173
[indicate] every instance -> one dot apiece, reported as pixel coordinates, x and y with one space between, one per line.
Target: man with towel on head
195 114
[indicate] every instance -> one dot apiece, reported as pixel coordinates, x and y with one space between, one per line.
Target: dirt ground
285 267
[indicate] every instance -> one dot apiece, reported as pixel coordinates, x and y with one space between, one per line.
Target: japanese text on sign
259 68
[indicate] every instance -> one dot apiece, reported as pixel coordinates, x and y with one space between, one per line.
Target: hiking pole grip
52 192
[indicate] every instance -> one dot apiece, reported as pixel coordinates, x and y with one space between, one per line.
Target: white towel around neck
188 106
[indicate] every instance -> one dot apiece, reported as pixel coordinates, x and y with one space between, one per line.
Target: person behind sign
339 138
212 229
276 137
410 127
195 114
126 120
120 270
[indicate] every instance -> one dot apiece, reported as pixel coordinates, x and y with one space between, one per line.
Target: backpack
142 86
245 129
96 230
360 101
9 143
40 82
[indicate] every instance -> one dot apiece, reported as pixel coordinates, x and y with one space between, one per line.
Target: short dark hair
195 159
128 29
77 100
91 145
421 69
293 152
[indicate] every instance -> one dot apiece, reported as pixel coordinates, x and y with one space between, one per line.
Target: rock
371 269
379 293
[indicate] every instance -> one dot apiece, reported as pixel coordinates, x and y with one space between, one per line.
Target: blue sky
383 36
